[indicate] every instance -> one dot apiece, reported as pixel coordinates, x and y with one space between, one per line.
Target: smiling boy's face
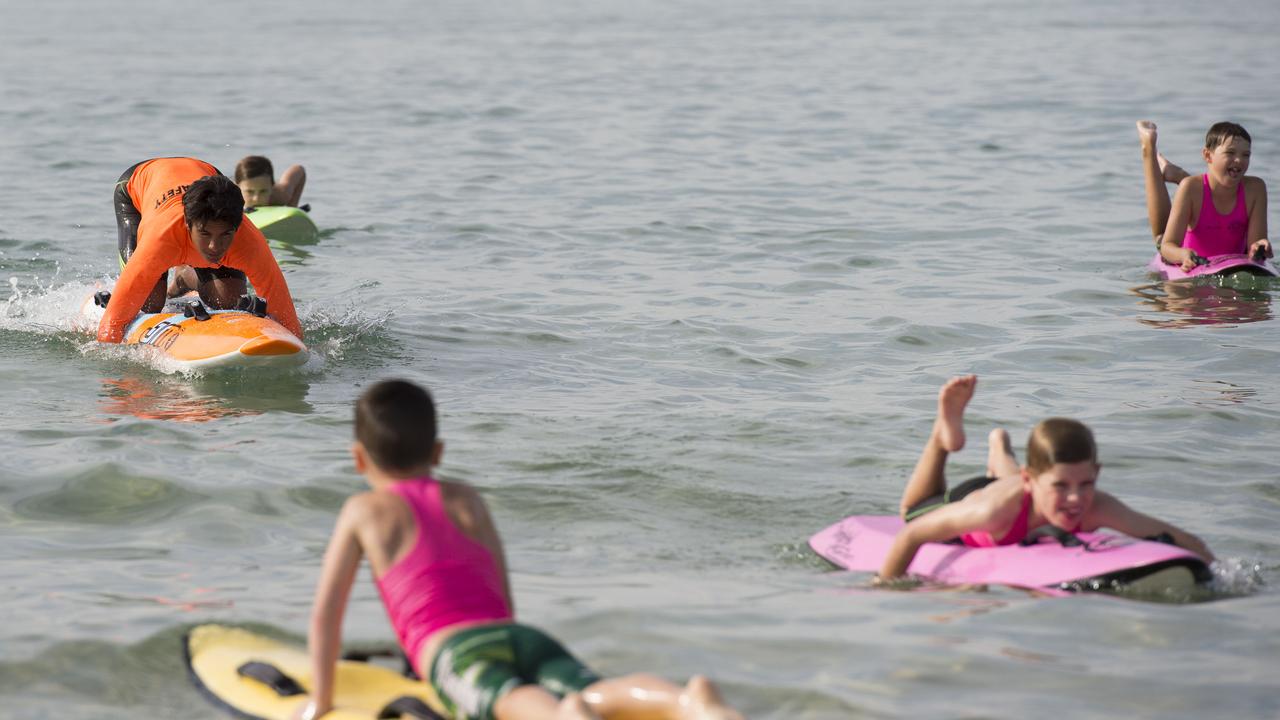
256 190
1063 494
1229 161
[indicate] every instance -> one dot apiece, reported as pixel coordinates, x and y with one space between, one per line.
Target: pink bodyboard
1218 265
861 542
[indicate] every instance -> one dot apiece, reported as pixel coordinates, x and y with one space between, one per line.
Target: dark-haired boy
1195 227
182 211
441 571
257 180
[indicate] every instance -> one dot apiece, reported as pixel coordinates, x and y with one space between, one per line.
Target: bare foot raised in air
1001 462
952 399
1147 134
702 701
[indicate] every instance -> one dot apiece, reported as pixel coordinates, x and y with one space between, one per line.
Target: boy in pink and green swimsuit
1222 212
440 569
1056 487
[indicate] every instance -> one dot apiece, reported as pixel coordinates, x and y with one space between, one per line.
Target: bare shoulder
1255 186
1190 183
987 509
464 502
372 505
358 505
998 503
1189 191
1001 492
356 514
459 491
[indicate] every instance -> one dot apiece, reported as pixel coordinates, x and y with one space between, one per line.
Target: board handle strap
410 706
1063 537
195 309
272 677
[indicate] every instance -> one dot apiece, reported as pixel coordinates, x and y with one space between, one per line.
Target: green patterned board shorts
476 666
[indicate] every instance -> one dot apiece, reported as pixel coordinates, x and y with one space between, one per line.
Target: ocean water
684 279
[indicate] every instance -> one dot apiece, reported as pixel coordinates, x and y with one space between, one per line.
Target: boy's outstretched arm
1108 511
261 268
944 523
1176 230
341 561
288 189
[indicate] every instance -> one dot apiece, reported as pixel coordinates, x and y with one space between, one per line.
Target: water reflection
1218 301
289 254
292 251
201 399
1222 392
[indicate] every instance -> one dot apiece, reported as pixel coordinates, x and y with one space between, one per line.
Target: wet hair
213 198
1221 132
396 423
252 166
1059 440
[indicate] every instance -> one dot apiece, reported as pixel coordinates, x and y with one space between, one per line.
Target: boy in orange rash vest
182 211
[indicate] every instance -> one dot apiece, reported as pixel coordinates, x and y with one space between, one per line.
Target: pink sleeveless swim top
446 579
1216 234
1016 533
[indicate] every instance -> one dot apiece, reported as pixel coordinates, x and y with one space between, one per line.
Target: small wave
337 333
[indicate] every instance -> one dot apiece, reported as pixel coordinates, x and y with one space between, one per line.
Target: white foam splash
53 310
1236 576
335 329
60 310
49 308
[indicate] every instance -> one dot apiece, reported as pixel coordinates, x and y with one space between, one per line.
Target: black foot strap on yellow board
272 677
408 706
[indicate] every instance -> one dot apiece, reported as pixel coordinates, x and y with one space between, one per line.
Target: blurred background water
684 278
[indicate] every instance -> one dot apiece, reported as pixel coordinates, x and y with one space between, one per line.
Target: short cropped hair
213 198
1221 132
1059 440
252 166
396 424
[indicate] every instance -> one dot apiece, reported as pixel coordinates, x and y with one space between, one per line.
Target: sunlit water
684 278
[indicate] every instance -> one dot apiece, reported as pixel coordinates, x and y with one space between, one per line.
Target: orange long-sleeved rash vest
164 241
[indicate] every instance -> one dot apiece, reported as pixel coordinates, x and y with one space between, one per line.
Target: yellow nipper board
214 652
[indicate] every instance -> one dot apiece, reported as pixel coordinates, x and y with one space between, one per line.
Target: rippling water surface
684 278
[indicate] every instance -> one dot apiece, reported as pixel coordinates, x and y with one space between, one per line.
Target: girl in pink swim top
1056 487
439 566
1222 212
